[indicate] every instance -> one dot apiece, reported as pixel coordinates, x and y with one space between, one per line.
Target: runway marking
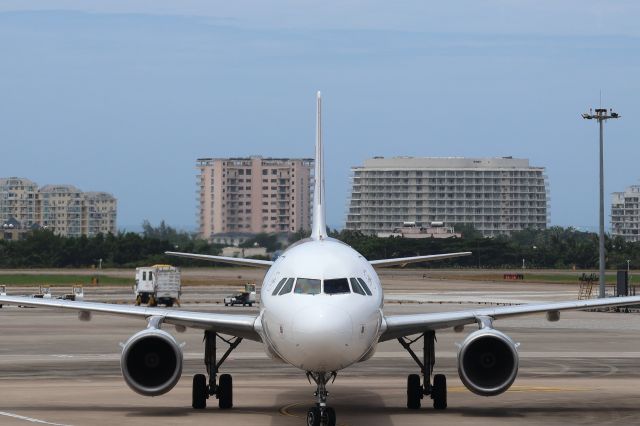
284 411
29 419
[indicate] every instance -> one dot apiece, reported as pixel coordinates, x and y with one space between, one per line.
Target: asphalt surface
583 369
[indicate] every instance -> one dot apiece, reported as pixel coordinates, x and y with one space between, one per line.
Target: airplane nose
323 333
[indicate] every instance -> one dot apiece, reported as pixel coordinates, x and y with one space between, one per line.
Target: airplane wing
384 263
235 325
405 325
231 260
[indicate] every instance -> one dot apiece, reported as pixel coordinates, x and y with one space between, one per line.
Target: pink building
253 195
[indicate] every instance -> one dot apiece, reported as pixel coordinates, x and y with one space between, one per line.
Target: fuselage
321 306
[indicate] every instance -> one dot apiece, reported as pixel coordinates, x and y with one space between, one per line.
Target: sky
124 96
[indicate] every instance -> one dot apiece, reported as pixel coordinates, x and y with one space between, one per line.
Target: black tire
169 304
331 416
414 392
439 392
225 392
199 392
313 417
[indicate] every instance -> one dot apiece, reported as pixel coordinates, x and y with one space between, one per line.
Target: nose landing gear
321 415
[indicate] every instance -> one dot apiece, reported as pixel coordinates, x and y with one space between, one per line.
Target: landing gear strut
321 414
223 389
415 390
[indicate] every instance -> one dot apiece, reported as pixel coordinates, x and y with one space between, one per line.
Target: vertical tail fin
319 224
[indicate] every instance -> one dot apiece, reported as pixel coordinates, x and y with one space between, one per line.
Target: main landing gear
321 414
223 389
415 390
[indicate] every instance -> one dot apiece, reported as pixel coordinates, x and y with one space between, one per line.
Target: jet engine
488 362
151 362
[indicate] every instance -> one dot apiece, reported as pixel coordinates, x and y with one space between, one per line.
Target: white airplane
321 311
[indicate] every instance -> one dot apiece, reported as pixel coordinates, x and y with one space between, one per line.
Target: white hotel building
64 209
495 195
625 214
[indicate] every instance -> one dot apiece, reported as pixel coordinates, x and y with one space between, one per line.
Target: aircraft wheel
313 417
225 392
414 391
439 392
199 392
330 416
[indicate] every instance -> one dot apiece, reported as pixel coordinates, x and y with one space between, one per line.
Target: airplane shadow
354 406
350 403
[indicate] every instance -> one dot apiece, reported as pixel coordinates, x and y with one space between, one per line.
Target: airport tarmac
584 369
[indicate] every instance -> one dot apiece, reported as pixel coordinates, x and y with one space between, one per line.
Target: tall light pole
601 115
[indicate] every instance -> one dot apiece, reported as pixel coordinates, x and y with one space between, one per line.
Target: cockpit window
356 287
287 287
279 286
336 286
307 286
364 286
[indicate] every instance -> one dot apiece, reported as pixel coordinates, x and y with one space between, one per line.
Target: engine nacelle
488 362
151 362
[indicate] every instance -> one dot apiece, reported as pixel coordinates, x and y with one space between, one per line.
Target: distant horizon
137 228
194 229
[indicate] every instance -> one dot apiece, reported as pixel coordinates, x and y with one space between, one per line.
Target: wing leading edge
384 263
256 263
235 325
405 325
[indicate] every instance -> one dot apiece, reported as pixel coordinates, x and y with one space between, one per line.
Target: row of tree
43 249
555 247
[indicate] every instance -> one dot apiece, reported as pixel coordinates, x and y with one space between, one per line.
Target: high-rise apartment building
62 208
18 200
625 214
253 195
495 195
99 213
